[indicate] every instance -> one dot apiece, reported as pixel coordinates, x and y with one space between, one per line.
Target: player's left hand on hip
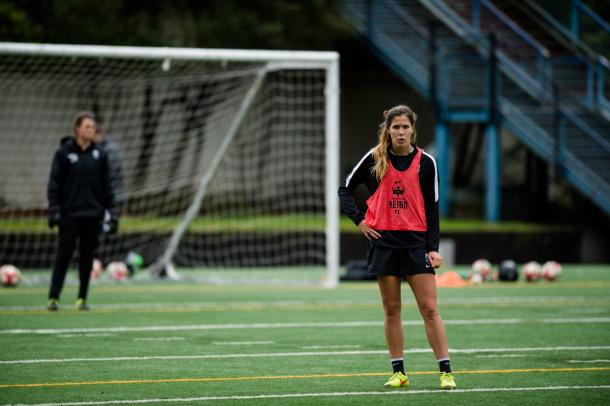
436 260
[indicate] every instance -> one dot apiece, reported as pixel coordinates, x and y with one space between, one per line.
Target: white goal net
228 159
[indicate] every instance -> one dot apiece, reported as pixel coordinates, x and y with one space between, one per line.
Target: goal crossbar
316 59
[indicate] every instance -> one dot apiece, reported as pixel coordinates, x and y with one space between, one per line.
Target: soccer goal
229 158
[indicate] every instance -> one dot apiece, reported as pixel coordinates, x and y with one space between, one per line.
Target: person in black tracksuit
402 225
79 193
115 163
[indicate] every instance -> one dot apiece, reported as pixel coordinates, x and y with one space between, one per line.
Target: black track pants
86 231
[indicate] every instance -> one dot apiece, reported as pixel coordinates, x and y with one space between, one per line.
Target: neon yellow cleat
447 381
52 305
81 304
397 380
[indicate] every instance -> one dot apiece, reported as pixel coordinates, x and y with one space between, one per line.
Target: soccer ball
476 279
551 270
532 271
117 270
482 267
96 269
10 275
133 261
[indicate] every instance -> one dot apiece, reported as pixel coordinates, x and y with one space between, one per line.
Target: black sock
398 365
444 365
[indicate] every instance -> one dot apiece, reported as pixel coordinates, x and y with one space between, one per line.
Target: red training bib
398 203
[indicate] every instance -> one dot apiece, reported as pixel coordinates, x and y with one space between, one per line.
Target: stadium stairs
548 91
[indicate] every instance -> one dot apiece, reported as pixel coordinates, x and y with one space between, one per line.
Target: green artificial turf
198 342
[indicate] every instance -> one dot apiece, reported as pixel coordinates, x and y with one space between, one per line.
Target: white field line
196 327
299 354
240 343
342 324
322 395
86 335
581 310
501 356
160 339
577 320
326 347
283 303
590 361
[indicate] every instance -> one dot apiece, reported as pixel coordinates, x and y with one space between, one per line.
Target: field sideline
198 342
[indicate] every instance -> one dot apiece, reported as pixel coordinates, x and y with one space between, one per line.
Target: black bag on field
508 271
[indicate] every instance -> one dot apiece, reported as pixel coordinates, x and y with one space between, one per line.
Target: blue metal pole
475 17
575 19
600 98
492 140
590 83
559 133
442 161
492 172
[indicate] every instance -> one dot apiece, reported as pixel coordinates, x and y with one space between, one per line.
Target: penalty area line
327 394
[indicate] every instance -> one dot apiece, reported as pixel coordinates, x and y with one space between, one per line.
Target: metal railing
578 8
596 66
515 42
409 60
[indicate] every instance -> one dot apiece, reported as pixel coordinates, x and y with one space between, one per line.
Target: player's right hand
369 233
54 217
110 224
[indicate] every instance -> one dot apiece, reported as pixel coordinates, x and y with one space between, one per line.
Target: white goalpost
228 158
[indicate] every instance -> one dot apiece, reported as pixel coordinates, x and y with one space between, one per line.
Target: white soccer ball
551 270
482 267
117 270
97 269
532 271
476 279
10 275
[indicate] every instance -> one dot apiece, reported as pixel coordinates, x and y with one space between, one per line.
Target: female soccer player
402 226
79 193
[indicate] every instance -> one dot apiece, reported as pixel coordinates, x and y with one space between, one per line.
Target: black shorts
403 263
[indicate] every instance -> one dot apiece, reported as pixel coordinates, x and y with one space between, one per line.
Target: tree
270 24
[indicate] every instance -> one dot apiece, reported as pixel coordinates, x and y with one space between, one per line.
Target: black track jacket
79 183
428 180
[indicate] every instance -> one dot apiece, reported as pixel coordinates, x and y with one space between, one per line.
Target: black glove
111 222
54 217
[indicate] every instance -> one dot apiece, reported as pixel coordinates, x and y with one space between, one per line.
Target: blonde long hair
380 152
